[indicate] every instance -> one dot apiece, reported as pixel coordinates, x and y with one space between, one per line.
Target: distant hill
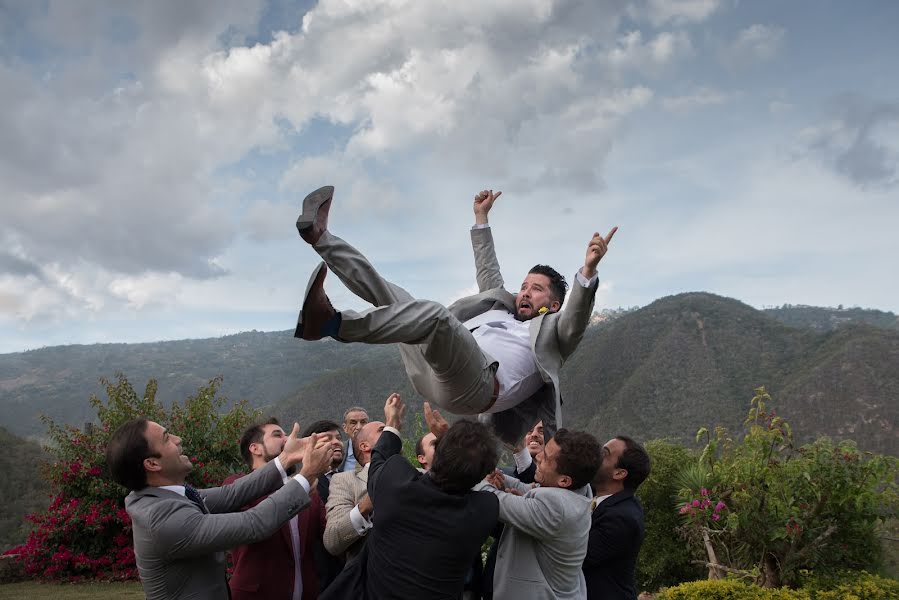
827 319
22 489
662 370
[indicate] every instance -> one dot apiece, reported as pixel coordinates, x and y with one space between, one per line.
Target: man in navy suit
616 533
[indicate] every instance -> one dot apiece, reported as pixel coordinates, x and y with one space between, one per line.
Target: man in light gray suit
544 542
349 506
181 533
495 353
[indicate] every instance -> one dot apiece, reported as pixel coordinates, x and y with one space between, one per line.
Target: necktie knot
194 496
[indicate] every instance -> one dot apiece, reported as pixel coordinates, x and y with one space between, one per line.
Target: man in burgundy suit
283 566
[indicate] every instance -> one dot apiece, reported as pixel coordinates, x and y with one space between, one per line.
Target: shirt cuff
360 523
523 460
393 430
302 481
584 281
480 226
281 470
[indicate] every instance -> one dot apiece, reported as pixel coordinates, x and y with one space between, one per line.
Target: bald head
365 441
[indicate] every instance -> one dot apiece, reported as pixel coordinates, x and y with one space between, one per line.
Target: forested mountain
23 490
663 370
827 319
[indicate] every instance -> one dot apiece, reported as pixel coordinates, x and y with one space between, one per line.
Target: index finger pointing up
608 238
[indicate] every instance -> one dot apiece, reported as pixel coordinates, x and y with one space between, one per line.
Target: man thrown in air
496 354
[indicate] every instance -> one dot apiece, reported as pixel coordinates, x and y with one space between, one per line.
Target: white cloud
632 53
754 44
700 98
660 12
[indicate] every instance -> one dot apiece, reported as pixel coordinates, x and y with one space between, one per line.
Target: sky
154 155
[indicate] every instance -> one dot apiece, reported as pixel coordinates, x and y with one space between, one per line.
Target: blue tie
194 496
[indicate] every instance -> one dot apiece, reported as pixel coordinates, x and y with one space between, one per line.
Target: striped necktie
194 496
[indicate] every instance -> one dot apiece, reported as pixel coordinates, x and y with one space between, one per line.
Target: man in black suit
428 527
616 533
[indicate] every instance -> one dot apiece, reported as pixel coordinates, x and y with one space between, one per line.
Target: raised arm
486 265
389 444
576 315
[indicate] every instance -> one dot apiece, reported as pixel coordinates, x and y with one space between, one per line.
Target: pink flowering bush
86 532
766 509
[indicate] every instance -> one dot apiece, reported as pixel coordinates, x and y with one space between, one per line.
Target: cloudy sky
153 155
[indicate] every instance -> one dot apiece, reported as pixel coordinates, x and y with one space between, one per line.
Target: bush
664 560
86 533
856 586
728 589
786 509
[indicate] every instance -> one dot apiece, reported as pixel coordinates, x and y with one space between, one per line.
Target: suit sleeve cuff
360 523
584 281
393 430
480 226
284 477
523 460
302 481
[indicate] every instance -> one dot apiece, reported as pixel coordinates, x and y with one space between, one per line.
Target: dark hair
557 284
635 460
580 456
419 446
463 456
125 454
253 435
320 427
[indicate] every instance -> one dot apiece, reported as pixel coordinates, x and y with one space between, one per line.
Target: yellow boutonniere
543 310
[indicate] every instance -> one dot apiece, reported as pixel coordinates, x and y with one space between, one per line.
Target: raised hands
435 421
317 457
394 411
483 202
596 249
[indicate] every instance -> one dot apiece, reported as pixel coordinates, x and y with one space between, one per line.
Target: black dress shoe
317 309
313 220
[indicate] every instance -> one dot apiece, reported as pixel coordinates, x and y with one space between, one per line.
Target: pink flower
720 506
716 516
695 504
703 492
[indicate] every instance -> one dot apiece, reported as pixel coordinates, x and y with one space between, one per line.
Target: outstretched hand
394 411
294 448
317 456
435 421
596 249
483 202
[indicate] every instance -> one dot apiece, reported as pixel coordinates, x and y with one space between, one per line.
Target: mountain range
663 370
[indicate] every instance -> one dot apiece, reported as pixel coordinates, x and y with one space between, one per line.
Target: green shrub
864 587
664 558
728 589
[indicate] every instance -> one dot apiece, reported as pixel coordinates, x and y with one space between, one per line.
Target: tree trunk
770 571
710 550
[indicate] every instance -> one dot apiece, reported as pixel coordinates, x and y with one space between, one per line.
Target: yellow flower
543 310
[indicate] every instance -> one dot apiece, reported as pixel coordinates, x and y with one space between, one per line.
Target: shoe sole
311 204
320 271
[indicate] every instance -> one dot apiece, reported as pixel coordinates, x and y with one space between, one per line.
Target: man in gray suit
547 527
181 533
495 353
349 506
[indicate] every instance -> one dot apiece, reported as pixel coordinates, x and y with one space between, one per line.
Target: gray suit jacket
543 544
179 547
554 337
347 489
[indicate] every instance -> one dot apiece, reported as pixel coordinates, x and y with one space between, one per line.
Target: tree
86 532
767 509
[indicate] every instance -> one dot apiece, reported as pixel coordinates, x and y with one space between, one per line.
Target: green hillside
664 370
22 488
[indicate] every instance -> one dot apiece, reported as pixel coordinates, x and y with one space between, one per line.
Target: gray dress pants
442 358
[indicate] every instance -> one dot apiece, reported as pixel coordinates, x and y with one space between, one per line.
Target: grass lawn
28 590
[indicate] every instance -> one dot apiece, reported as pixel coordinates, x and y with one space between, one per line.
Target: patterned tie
194 496
594 503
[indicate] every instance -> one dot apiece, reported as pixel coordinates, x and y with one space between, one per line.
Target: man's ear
254 449
619 474
151 464
565 481
554 306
